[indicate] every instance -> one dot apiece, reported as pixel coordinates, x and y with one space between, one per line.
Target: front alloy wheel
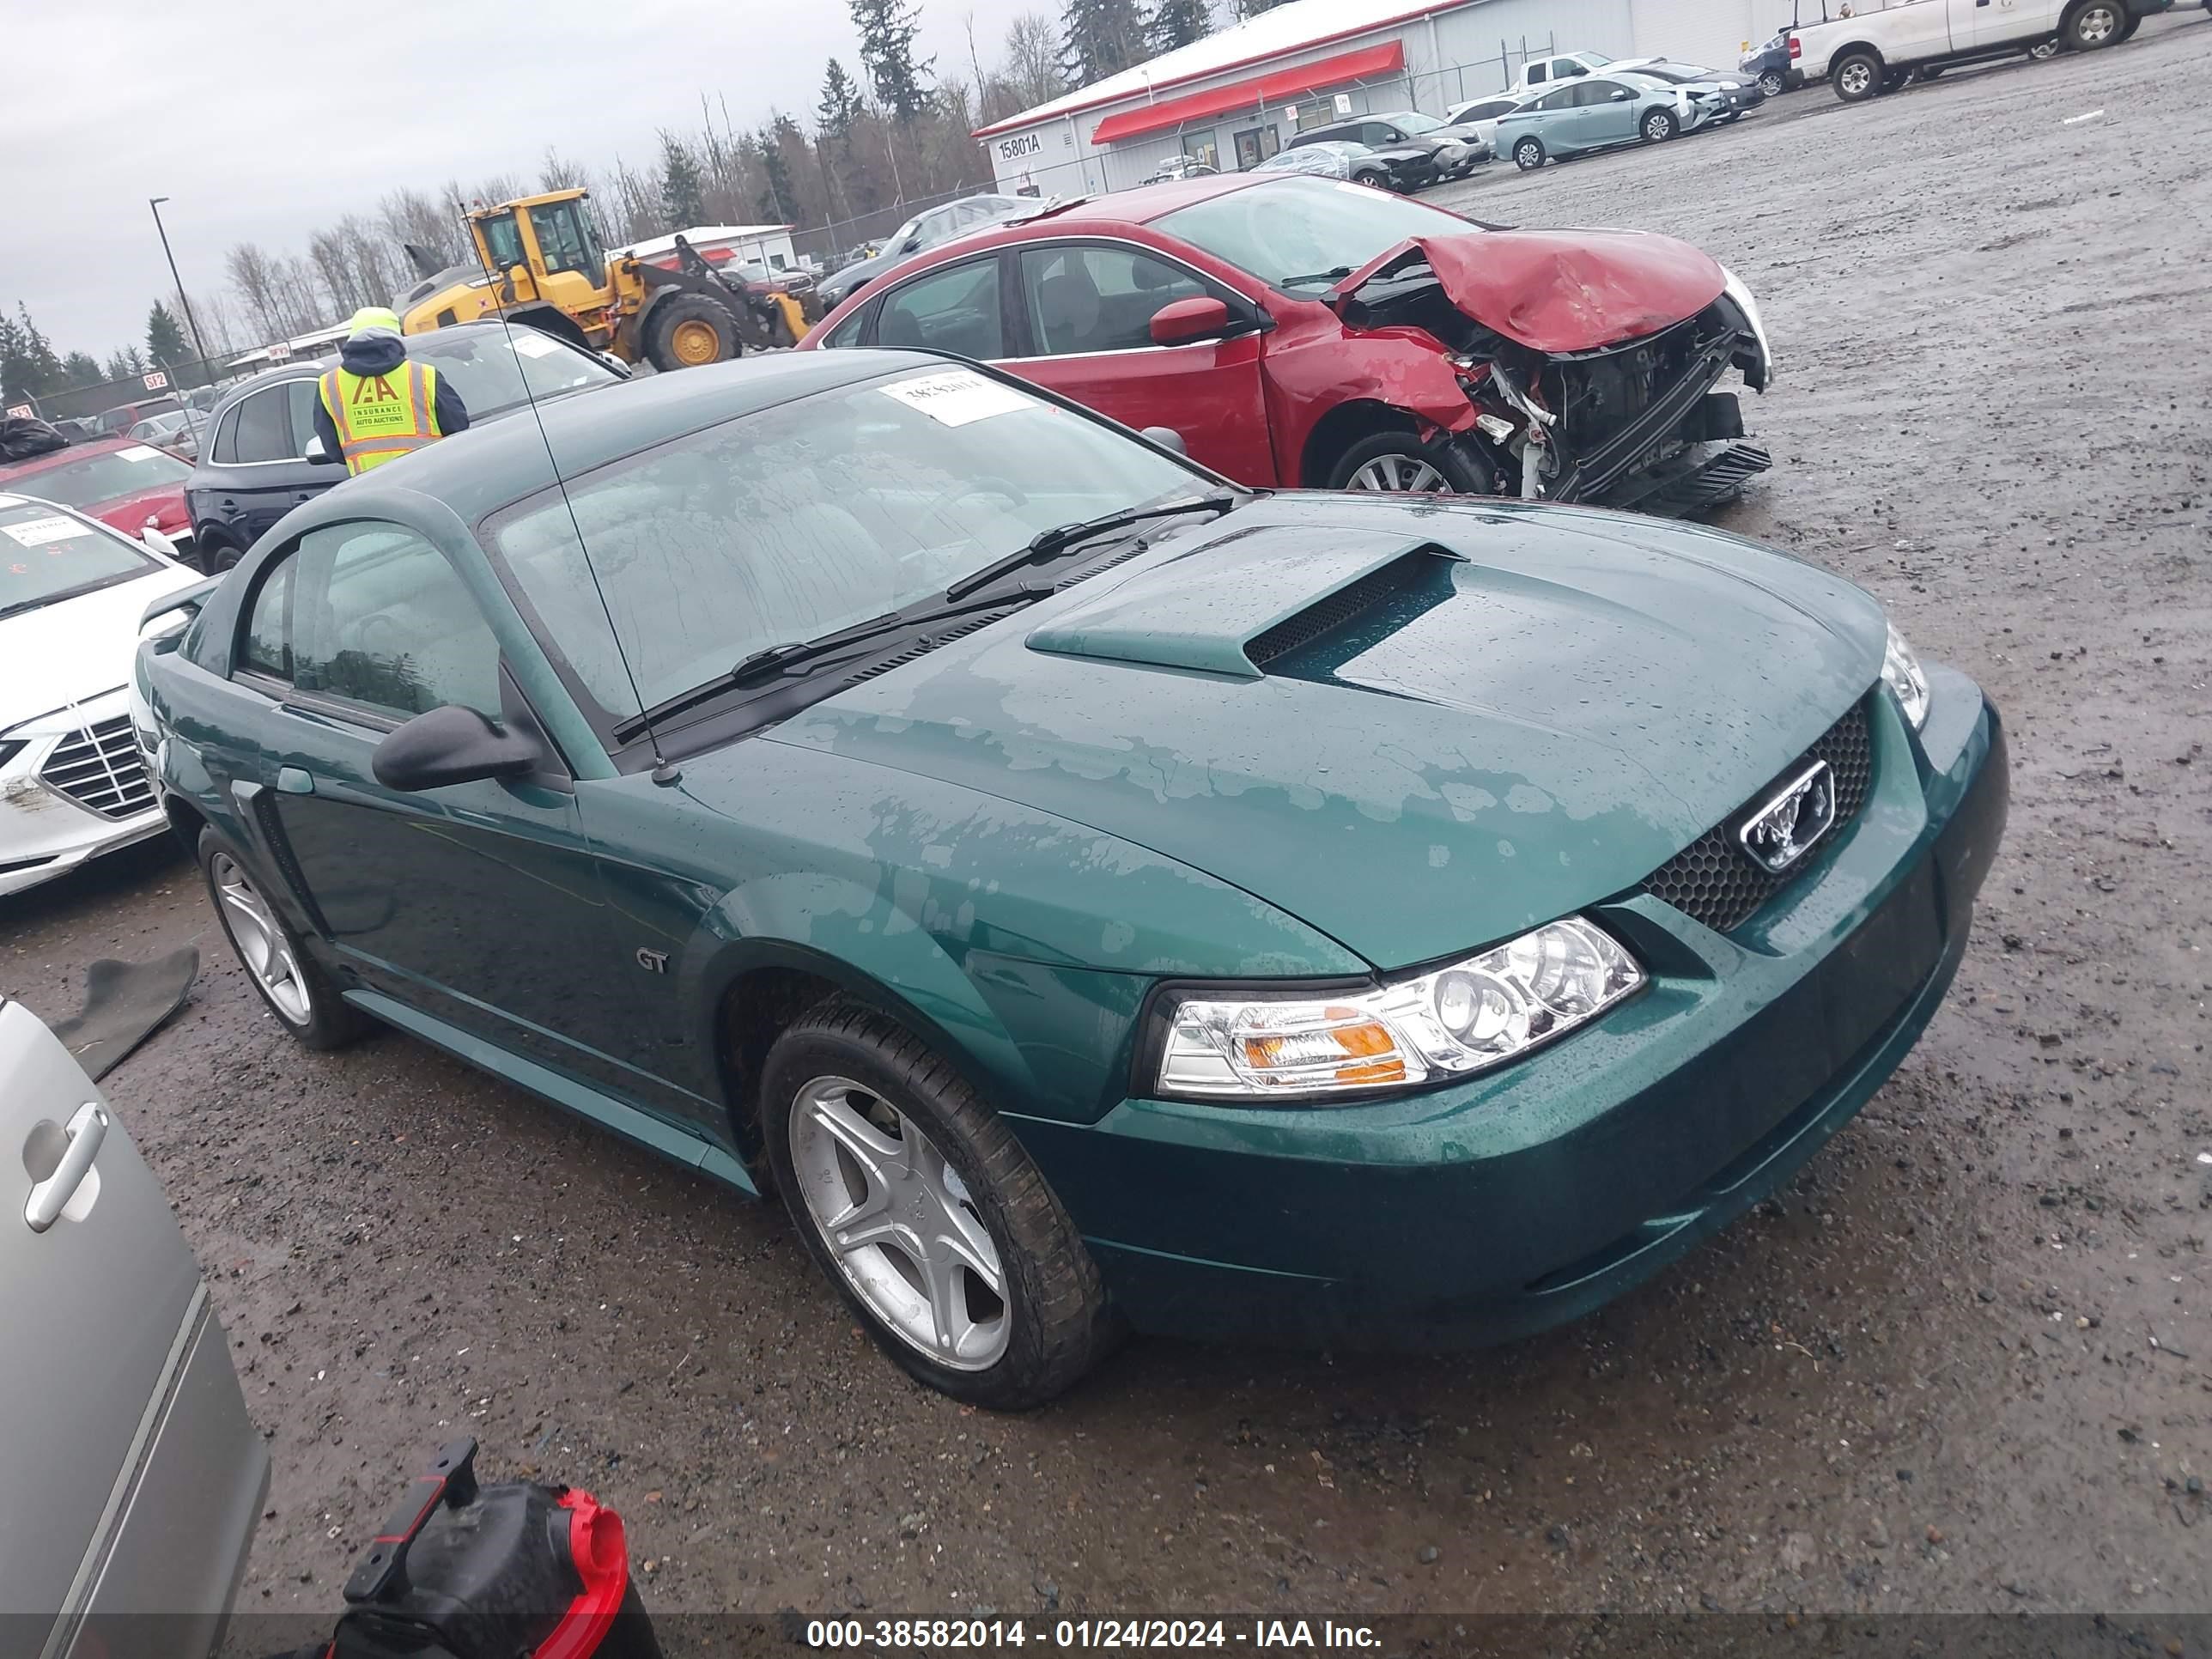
1527 155
916 1199
901 1222
290 981
1770 82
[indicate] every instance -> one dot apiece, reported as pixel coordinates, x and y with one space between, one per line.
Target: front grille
99 767
1713 880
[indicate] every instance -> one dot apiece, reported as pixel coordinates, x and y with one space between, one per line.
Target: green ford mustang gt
1094 896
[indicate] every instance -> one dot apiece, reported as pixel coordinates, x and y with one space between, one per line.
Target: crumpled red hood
1564 290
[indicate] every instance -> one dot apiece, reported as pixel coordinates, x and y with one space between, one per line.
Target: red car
118 481
1298 331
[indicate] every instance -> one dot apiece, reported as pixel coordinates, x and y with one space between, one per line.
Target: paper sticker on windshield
139 452
957 396
39 531
531 343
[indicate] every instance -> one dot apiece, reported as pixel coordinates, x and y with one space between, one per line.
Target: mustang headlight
1900 673
1456 1020
1732 285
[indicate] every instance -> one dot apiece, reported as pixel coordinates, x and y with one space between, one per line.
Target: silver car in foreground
130 1477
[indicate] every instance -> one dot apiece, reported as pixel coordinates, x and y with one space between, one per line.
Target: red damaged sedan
125 484
1298 332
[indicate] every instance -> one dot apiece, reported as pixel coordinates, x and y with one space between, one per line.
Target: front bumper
76 789
1509 1204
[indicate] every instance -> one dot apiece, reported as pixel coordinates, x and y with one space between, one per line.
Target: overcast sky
263 119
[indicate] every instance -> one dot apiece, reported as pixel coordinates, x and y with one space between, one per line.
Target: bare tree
556 172
1032 68
252 277
417 216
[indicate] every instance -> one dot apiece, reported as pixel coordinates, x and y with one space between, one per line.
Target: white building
1233 98
763 244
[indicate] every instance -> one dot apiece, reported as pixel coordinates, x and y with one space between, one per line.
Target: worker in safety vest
378 403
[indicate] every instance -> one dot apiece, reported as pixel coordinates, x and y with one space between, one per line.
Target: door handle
295 781
50 1197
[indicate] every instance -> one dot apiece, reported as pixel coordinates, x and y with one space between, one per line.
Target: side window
1381 132
265 427
1538 74
1563 99
300 398
267 648
1568 68
223 452
382 620
1590 93
1085 299
848 333
955 309
503 237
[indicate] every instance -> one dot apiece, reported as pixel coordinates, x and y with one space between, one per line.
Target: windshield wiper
1046 543
1336 275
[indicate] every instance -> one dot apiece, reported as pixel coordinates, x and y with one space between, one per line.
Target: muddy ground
1964 1363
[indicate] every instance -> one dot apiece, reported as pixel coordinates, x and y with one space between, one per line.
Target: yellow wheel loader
540 261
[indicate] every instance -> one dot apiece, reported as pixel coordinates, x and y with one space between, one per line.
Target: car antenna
664 773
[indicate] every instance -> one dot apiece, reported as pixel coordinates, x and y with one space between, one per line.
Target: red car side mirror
1182 321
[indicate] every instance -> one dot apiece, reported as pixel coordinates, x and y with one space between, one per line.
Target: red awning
1276 86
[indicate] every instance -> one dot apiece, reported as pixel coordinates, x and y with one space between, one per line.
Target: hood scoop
1235 603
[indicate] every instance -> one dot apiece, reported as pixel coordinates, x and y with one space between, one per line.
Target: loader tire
685 330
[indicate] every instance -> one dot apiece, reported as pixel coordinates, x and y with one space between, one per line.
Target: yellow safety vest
380 417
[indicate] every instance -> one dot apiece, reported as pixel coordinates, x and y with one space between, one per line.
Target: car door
1087 308
101 1302
479 903
259 456
1602 112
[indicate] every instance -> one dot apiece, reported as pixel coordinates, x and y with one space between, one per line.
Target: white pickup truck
1879 49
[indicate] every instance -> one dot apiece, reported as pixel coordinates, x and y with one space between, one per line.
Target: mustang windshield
1305 228
798 521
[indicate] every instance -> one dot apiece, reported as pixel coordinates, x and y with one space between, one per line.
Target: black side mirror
451 744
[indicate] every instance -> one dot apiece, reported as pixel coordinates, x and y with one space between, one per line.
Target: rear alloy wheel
919 1204
297 991
1527 154
1400 463
1770 82
1858 77
687 330
2097 24
1659 126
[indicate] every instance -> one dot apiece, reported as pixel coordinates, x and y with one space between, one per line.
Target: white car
73 782
132 1476
1480 116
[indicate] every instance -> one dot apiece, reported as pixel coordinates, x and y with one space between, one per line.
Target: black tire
1895 81
1529 152
690 315
2043 50
1929 72
1857 76
1658 126
213 556
1061 1323
1463 473
1771 83
2128 29
330 1023
2095 24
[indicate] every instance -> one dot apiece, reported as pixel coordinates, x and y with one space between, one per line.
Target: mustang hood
1559 290
1418 727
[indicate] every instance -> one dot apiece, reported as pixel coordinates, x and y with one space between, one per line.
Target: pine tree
682 192
81 369
779 201
887 29
1178 22
37 368
165 340
1101 38
840 107
1253 8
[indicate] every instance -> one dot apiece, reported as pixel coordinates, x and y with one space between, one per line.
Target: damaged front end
1590 359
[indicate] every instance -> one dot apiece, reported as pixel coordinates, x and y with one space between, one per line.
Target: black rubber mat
125 1003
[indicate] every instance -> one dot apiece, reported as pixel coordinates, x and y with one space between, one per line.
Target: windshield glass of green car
795 522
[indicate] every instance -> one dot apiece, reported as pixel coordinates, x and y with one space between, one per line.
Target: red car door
1087 307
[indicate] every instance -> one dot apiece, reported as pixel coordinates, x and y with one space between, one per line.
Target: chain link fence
162 380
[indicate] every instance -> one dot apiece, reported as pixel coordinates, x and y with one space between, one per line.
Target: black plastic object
22 437
510 1571
450 744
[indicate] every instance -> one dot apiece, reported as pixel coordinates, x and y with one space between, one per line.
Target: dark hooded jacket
379 354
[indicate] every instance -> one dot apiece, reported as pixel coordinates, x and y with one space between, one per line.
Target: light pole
191 321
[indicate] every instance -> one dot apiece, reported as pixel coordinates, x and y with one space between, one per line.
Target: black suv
254 465
1406 136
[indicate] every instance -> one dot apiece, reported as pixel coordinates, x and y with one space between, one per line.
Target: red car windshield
47 555
111 475
1304 234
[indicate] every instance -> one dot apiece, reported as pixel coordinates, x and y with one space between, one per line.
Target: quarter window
224 451
955 309
383 621
1088 299
265 649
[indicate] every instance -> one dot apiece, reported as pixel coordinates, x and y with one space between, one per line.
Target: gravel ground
1964 1363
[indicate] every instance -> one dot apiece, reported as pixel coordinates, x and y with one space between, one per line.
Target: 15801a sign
1013 149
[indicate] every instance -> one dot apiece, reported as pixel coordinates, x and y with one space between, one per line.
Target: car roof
302 368
491 466
106 446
